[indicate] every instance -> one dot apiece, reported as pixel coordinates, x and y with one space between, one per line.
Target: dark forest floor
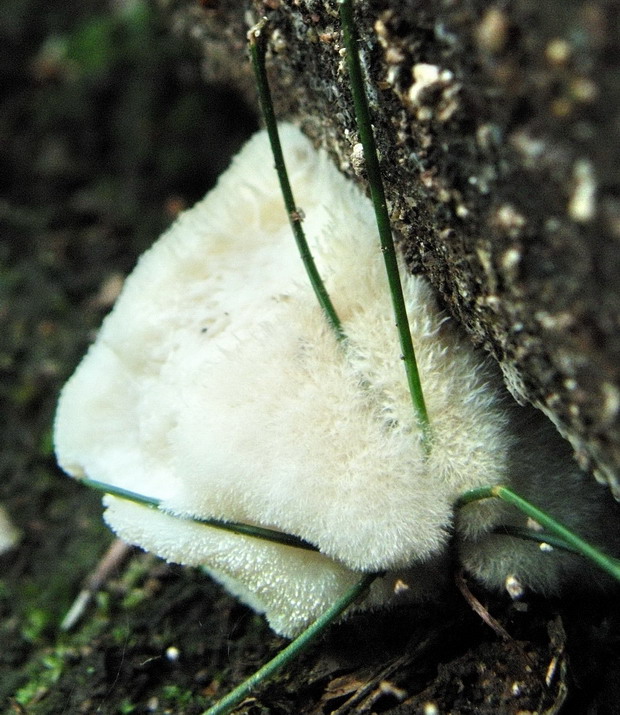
106 131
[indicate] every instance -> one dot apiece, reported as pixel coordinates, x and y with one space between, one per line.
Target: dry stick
111 561
377 194
366 690
478 608
487 618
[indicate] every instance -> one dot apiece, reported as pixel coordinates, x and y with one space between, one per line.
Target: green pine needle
377 193
257 46
258 532
602 560
285 656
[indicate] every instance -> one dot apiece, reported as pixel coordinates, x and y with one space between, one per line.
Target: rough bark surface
497 126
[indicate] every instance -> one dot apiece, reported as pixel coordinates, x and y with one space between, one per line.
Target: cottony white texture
217 386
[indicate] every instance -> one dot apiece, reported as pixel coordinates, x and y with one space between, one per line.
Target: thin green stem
257 532
540 537
285 656
602 560
257 47
377 193
121 493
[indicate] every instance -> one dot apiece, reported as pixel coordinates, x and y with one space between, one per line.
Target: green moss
44 673
35 623
175 696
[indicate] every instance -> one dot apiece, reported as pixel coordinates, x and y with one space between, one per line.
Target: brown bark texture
497 126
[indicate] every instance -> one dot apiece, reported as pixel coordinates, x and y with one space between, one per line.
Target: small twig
493 623
476 606
110 562
366 690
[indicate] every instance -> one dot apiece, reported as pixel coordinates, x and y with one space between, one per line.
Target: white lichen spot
357 158
381 29
278 42
533 524
488 136
394 55
554 321
510 259
433 92
508 220
392 74
400 586
492 301
516 689
561 107
514 587
582 203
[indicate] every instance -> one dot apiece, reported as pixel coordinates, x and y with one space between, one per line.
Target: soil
107 131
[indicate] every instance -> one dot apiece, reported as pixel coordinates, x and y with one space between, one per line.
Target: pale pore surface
217 386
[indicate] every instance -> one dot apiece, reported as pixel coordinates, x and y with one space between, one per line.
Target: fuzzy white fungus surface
216 385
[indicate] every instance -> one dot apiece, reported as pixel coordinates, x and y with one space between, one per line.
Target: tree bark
497 126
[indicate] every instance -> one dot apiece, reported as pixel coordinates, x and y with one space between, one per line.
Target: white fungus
217 386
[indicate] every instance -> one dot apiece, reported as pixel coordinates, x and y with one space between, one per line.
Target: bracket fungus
216 386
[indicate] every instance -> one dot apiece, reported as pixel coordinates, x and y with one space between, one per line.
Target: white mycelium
217 386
